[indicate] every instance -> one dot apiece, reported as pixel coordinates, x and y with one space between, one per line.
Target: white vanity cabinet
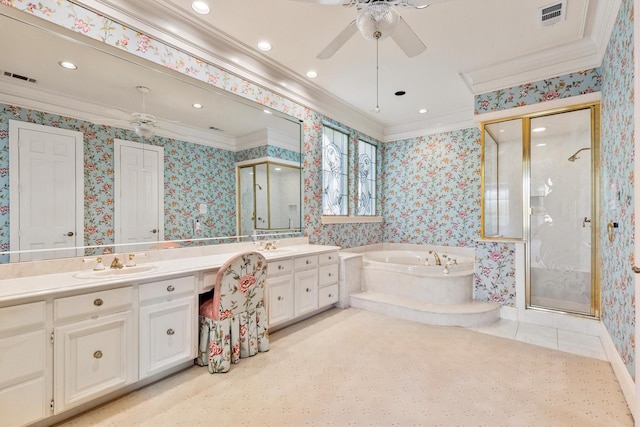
279 290
300 286
25 374
306 284
168 324
327 279
94 350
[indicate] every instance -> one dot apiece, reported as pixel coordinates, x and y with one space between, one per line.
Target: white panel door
139 195
46 191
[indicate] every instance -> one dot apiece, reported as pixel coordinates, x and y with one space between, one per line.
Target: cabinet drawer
305 262
22 316
93 304
328 274
277 268
329 258
22 356
167 289
328 295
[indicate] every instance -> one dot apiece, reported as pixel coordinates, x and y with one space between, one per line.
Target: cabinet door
280 299
93 358
24 381
306 284
167 335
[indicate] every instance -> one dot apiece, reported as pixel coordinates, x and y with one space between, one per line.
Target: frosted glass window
334 171
367 178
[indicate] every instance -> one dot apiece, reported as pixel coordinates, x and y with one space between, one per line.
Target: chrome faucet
116 263
435 255
269 245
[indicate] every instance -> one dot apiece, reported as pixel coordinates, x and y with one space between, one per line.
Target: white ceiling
473 46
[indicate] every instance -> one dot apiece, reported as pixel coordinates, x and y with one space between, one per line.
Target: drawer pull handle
330 295
280 267
170 288
330 257
330 274
308 290
170 331
308 262
98 302
280 298
97 354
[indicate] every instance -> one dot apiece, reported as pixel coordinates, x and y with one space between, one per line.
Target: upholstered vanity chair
233 324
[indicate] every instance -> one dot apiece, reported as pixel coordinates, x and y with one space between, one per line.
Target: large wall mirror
115 156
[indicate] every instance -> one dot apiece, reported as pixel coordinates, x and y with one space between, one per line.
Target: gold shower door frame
594 109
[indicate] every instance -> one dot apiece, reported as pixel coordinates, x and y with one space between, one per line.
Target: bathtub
412 272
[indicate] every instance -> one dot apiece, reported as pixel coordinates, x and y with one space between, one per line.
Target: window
366 178
334 172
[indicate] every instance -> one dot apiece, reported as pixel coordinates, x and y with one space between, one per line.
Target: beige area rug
356 368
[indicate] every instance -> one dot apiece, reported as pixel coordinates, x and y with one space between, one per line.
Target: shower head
575 157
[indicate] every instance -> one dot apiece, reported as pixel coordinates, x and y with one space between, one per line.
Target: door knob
69 234
154 231
585 221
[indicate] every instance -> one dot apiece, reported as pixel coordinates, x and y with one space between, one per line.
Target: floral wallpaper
193 174
431 189
563 86
268 151
618 297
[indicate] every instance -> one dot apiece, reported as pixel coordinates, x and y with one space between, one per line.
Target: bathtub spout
435 255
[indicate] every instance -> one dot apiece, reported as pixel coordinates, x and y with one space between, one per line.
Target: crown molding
583 54
456 120
165 22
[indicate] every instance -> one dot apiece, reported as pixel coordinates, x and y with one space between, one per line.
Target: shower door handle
585 221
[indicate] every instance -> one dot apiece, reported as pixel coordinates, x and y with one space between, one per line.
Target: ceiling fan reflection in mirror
377 20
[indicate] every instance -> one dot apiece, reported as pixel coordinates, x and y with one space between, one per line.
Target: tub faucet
437 258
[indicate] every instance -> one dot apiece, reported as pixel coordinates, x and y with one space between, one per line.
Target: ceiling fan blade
407 40
339 41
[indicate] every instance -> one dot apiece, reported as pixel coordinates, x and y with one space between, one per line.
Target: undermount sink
117 272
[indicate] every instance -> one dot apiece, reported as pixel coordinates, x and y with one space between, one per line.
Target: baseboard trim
620 370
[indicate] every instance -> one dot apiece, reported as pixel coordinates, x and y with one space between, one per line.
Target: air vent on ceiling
552 13
19 77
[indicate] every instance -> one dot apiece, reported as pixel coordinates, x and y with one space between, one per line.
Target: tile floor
545 336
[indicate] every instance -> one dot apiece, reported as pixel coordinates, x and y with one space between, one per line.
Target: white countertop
43 285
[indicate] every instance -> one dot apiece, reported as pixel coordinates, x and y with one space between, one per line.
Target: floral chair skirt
223 342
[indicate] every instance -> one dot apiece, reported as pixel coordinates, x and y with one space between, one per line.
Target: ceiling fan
376 20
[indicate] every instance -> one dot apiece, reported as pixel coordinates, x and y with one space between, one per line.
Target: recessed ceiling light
197 105
542 144
423 111
541 129
400 93
312 74
200 7
264 46
68 65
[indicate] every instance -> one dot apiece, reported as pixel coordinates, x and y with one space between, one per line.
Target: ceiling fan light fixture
377 21
143 131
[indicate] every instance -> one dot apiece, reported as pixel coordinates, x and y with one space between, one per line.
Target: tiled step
468 315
